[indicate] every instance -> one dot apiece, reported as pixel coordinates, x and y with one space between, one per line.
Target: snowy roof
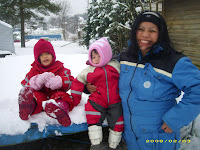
5 24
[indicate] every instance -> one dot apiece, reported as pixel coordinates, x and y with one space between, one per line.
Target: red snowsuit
46 93
105 101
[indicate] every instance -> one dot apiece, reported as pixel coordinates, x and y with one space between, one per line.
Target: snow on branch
124 26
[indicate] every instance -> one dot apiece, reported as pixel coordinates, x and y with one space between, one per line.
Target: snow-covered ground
13 70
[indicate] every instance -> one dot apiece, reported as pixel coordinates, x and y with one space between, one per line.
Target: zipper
107 84
128 101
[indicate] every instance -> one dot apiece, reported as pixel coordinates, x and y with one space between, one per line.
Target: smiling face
147 35
46 59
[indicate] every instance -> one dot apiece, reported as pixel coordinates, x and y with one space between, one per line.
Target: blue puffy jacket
148 89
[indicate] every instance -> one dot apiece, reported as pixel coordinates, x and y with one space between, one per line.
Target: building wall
183 21
6 37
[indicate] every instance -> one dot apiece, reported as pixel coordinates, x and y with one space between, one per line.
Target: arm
76 91
67 79
78 85
186 77
28 76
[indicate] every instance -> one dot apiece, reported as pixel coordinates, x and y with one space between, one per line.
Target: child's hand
166 128
54 83
91 88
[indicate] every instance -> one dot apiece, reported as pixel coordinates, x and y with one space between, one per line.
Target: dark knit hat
43 46
150 17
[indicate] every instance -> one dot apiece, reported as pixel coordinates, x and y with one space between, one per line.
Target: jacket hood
104 49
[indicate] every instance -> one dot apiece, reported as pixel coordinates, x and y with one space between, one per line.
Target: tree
111 19
90 25
26 10
65 8
123 16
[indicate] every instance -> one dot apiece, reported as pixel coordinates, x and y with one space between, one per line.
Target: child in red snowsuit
105 102
45 86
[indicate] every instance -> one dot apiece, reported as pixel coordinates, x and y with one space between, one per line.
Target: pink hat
104 49
43 46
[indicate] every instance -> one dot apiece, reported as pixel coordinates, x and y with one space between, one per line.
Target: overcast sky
78 6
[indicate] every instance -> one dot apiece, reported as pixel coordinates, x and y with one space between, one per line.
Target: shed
6 37
183 21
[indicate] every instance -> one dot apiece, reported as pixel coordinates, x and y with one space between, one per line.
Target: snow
138 9
5 24
13 70
5 52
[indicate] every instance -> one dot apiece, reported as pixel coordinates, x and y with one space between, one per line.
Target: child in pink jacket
105 102
45 86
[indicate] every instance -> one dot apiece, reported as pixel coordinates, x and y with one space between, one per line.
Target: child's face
95 58
46 59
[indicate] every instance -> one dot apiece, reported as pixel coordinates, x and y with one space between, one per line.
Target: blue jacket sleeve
186 78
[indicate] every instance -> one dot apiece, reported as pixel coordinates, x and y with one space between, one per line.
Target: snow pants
60 95
96 114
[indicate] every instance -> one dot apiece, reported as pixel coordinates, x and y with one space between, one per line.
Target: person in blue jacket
152 76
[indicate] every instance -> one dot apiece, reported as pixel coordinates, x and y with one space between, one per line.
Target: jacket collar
154 50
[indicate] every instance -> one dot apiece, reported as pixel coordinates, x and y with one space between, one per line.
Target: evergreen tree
123 16
17 12
98 20
112 19
90 27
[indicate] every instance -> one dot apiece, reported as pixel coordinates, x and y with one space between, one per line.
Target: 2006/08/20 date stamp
167 141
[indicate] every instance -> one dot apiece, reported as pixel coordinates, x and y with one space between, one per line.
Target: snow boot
27 103
95 134
114 138
58 110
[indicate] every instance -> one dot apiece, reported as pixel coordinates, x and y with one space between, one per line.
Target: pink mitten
36 82
47 75
54 83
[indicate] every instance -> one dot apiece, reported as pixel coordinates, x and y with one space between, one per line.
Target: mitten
54 83
47 75
43 78
36 82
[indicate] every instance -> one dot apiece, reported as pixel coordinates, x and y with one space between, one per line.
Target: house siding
183 21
